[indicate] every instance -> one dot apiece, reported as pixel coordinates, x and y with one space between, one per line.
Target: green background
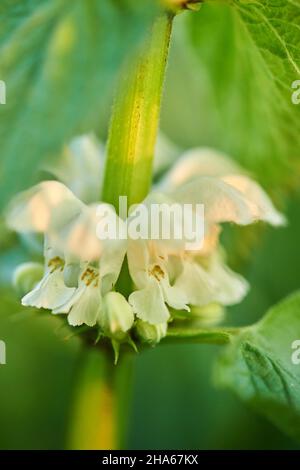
174 403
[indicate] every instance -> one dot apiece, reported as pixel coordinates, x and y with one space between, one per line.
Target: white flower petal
114 248
196 284
82 238
47 205
79 237
214 283
138 261
173 296
231 287
87 308
65 307
222 202
111 262
50 292
261 203
198 162
148 303
81 167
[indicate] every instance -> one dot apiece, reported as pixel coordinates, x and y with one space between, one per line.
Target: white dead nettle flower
79 267
148 267
181 278
81 167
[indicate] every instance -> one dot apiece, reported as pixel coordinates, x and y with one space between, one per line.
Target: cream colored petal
173 296
262 205
87 308
162 221
231 287
198 162
47 205
79 238
138 257
80 167
114 250
66 306
214 283
148 303
196 284
50 292
211 240
222 202
111 262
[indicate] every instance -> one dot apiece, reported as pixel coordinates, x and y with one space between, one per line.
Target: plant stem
135 118
102 402
134 125
100 408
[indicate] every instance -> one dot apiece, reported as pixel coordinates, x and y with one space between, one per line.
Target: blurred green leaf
258 366
249 52
274 28
59 60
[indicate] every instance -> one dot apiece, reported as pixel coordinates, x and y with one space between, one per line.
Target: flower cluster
81 269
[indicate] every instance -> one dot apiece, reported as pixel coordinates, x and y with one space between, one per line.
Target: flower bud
117 316
26 276
178 5
207 315
151 334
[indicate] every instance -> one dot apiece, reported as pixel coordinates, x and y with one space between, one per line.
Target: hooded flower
180 278
81 167
149 270
80 265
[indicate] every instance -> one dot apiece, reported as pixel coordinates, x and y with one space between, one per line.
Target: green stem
100 407
134 125
102 400
135 118
208 335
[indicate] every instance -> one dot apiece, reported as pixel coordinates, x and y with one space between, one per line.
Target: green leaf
250 53
59 60
274 28
258 366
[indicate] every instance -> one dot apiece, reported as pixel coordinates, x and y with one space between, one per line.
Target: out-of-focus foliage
241 69
221 90
59 60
